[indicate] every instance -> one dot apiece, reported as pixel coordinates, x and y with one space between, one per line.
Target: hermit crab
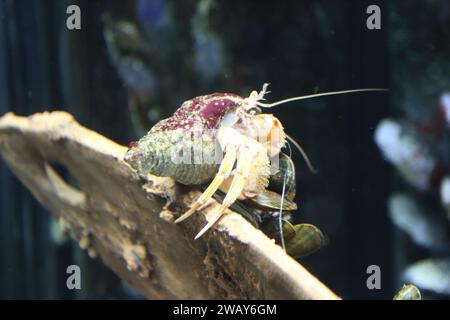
223 140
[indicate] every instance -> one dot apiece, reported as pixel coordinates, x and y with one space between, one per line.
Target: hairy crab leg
224 171
241 174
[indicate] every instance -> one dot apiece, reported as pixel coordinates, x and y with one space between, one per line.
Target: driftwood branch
128 222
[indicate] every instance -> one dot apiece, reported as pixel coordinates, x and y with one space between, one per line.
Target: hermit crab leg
224 171
240 176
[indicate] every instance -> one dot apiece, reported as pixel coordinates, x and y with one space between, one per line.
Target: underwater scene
225 150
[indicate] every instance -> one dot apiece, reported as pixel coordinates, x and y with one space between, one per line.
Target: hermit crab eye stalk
255 110
253 99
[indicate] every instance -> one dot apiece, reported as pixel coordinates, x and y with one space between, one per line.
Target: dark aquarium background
134 62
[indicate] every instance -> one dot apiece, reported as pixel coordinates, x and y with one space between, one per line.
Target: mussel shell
276 181
238 207
272 230
307 239
408 292
270 201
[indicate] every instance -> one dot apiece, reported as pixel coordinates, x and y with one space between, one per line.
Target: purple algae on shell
200 113
188 137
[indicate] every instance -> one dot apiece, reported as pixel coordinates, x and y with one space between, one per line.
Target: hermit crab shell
184 146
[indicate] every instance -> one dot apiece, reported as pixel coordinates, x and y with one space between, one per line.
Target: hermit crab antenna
303 153
315 95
